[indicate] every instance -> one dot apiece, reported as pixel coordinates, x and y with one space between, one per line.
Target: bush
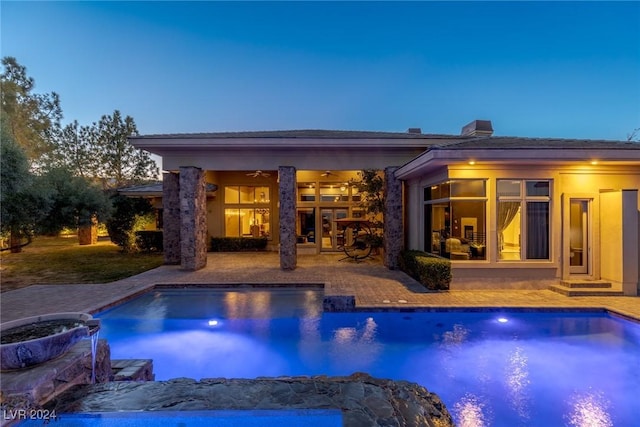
238 244
149 240
130 215
432 271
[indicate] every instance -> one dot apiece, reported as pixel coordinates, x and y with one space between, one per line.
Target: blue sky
535 69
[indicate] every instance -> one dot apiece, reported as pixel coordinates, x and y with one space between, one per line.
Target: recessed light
472 162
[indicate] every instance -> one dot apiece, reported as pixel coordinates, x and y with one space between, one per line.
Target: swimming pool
254 418
490 368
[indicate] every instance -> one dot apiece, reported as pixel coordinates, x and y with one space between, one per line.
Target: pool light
213 322
502 320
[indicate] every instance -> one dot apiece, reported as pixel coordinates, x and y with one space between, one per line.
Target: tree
73 151
32 119
75 201
119 162
371 190
22 204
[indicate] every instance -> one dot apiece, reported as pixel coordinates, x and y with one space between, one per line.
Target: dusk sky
540 69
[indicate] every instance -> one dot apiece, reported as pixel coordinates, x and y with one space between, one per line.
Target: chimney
477 128
414 130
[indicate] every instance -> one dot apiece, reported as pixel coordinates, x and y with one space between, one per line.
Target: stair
585 288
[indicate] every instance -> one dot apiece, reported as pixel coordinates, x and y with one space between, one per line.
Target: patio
371 283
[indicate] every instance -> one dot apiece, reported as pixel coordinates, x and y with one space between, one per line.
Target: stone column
393 227
193 218
287 214
171 217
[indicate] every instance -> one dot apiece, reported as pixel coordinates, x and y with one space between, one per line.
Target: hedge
149 240
432 271
238 244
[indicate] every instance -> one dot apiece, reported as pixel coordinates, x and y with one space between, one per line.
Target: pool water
490 368
256 418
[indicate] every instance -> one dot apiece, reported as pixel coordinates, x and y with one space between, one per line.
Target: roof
518 143
300 133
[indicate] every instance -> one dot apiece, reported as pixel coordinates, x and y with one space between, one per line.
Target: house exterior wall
536 274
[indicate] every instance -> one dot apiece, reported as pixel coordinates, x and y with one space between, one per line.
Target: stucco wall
566 180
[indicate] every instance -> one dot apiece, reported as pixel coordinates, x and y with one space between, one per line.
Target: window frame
446 189
254 206
524 200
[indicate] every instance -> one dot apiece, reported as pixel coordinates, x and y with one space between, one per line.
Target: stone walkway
373 285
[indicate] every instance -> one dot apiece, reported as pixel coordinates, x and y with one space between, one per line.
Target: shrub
238 244
149 240
432 271
130 215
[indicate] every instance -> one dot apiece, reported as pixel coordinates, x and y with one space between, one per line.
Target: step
132 370
585 292
589 284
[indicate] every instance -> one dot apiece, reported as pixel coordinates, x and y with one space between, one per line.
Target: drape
506 213
537 230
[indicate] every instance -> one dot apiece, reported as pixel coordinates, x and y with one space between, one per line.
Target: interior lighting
472 162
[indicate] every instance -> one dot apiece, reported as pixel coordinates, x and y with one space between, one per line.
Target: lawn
62 260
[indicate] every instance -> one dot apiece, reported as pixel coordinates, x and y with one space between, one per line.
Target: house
508 211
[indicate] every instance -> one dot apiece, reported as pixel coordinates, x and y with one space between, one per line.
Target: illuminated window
244 221
334 192
247 222
455 219
242 194
306 191
523 219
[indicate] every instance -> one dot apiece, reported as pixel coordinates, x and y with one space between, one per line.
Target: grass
58 260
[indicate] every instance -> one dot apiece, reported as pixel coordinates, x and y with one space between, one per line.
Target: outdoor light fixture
472 162
594 162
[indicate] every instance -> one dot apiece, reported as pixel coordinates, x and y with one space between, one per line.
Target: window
242 220
334 192
523 219
242 194
455 219
307 191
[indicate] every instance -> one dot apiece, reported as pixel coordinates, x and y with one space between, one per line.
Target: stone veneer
171 217
33 387
287 212
393 230
362 399
193 218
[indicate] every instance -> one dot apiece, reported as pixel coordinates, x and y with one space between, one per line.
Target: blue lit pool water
490 368
257 418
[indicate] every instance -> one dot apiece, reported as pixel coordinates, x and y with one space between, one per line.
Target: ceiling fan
258 173
327 173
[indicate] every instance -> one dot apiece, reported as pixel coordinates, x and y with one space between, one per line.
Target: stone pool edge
362 399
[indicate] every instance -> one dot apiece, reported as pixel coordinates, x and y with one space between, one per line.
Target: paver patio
373 285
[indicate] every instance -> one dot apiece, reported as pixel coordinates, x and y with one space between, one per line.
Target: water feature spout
33 340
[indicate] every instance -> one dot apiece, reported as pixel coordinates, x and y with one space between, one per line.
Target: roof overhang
435 158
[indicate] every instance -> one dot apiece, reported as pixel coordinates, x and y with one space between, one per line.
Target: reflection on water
590 409
517 378
470 411
355 348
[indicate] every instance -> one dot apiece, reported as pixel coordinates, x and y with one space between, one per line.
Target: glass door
332 239
578 236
